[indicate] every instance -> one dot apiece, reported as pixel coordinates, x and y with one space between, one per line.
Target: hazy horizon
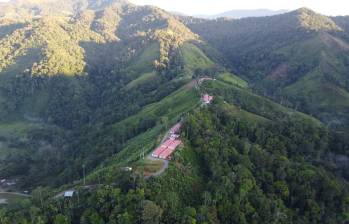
209 7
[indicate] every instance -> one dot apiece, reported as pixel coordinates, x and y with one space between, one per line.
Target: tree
4 219
90 216
151 212
61 219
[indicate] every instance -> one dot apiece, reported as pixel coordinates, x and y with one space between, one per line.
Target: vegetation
262 170
89 88
233 79
296 58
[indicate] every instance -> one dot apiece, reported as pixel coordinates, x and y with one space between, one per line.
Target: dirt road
163 168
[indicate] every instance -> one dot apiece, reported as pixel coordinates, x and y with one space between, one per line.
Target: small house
207 99
69 194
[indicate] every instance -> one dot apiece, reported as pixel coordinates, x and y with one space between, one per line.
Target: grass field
256 104
171 106
12 131
17 129
245 115
194 58
140 80
149 167
143 63
233 79
320 94
14 135
12 198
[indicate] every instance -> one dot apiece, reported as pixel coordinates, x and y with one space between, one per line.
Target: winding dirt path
163 168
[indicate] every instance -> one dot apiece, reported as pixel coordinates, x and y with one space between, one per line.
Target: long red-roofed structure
165 150
167 143
175 129
174 144
158 151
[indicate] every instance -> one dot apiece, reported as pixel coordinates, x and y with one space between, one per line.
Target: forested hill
89 88
298 58
72 44
69 85
27 9
239 164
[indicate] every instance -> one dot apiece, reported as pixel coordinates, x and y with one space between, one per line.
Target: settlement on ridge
167 148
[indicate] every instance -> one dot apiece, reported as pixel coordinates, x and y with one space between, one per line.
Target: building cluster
206 99
169 146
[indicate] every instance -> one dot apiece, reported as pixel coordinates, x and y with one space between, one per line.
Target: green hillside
240 105
194 58
88 89
145 61
268 158
177 104
233 79
93 83
256 104
298 58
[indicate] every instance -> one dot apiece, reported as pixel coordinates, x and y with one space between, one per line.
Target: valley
112 112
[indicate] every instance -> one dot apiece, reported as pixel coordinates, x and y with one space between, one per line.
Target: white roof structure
69 194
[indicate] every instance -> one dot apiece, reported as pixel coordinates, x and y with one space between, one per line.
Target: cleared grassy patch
144 61
171 106
256 104
320 94
13 132
233 79
18 128
194 58
12 198
140 80
245 115
149 167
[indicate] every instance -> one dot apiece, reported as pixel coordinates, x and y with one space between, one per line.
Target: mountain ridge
283 49
238 14
107 25
88 92
28 9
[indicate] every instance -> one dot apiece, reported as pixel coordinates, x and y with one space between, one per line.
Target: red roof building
166 154
167 143
174 144
175 129
165 150
158 151
207 99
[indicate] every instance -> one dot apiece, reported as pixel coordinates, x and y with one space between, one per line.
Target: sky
211 7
